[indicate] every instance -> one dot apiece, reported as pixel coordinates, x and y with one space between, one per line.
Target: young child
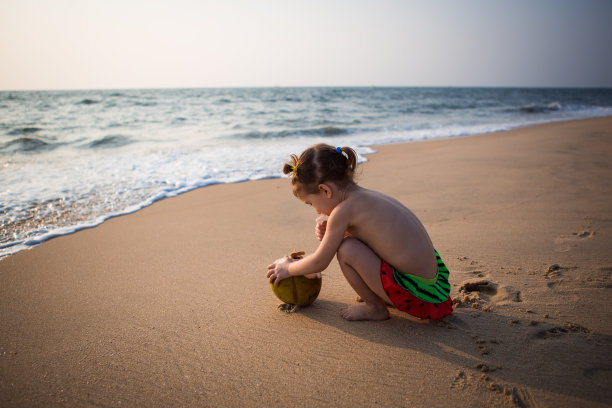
368 232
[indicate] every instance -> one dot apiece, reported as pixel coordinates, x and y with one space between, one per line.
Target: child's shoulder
364 194
371 200
361 198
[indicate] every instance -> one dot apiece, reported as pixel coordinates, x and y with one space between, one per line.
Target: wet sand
169 306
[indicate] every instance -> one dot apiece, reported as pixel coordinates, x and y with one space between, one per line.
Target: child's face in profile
319 202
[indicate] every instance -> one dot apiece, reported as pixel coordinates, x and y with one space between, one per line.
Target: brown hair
321 163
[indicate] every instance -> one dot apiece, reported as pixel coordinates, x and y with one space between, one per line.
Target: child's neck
345 192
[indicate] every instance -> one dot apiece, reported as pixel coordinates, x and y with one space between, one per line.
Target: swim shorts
420 297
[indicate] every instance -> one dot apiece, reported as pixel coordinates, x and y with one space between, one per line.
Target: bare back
391 230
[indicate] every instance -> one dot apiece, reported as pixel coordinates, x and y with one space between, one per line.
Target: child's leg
361 267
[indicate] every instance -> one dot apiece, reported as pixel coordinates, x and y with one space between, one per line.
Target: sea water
72 159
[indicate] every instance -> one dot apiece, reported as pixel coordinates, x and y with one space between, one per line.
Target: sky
114 44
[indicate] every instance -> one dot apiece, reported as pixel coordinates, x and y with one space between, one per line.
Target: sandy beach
170 306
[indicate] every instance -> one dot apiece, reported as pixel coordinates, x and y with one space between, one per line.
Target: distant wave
145 104
109 142
535 108
326 131
23 131
11 97
27 145
436 107
87 102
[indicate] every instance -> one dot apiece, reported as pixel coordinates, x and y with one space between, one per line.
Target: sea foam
71 159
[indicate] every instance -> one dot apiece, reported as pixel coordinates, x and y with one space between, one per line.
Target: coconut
297 290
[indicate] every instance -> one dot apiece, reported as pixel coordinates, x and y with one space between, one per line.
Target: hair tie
339 151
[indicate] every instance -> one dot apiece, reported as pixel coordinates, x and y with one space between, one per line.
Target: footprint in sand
552 271
516 397
513 394
584 234
567 242
557 331
483 294
554 274
485 347
460 381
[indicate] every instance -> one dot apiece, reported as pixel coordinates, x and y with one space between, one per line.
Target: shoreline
170 306
33 242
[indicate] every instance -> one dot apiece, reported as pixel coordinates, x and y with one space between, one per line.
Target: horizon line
308 86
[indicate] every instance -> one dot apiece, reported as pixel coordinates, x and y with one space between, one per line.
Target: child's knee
347 248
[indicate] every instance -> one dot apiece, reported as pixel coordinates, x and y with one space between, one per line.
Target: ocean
72 159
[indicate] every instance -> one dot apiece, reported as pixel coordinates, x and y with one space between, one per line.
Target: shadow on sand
566 359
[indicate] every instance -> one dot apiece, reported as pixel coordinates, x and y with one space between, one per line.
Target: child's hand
279 270
320 228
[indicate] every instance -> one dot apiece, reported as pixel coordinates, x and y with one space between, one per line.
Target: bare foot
359 300
363 311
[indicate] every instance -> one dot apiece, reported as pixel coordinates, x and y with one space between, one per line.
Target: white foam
87 186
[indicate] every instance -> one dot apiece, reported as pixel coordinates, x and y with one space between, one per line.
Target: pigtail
287 168
292 167
351 160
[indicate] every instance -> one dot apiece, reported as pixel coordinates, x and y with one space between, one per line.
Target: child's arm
320 230
337 225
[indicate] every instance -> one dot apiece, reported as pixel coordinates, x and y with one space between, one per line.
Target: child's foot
358 299
363 311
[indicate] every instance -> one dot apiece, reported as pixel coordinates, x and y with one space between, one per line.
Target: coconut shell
298 290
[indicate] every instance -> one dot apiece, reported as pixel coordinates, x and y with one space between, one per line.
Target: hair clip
294 169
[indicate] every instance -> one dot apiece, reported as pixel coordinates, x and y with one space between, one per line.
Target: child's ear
325 190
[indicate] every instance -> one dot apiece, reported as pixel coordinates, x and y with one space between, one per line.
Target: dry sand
170 306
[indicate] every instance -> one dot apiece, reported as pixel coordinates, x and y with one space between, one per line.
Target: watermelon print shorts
420 297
